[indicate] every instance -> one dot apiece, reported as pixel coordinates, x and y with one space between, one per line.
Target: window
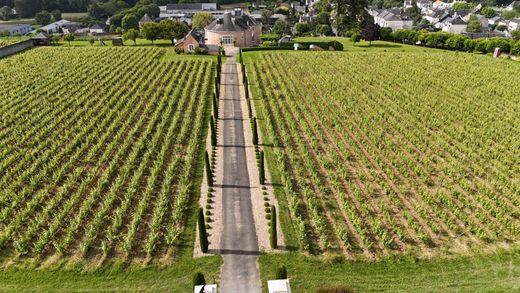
227 40
191 47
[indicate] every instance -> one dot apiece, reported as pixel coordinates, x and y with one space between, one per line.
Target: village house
234 29
195 39
15 29
97 29
454 25
394 18
53 28
185 11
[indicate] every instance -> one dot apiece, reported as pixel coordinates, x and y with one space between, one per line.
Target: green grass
377 46
495 273
176 278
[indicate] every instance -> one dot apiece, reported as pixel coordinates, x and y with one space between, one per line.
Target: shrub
255 132
198 279
203 235
267 210
179 50
336 45
273 237
515 49
261 167
335 289
385 33
200 51
209 173
281 273
268 217
266 198
266 204
502 43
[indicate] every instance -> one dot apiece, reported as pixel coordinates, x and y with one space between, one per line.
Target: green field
101 155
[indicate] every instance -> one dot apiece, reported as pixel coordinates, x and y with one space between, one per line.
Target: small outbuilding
205 289
279 286
41 39
194 39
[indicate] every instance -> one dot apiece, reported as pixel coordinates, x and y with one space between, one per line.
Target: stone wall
15 48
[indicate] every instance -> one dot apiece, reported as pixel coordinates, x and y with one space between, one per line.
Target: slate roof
98 26
458 21
191 6
146 18
229 23
393 14
40 36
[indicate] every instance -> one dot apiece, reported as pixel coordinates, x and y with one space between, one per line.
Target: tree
488 12
324 30
516 34
323 18
203 235
266 13
151 9
172 29
369 30
348 13
198 279
515 49
6 13
69 38
302 28
474 25
281 27
130 21
385 33
201 20
56 15
131 34
509 14
355 38
91 41
43 17
27 8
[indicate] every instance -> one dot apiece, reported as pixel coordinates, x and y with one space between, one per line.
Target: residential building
234 29
15 29
195 38
53 28
454 25
98 29
394 18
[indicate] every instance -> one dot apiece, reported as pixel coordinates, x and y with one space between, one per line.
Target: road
239 244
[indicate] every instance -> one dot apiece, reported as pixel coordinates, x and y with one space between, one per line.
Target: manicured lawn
377 46
496 273
175 278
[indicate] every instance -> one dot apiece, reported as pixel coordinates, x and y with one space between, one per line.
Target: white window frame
191 47
227 40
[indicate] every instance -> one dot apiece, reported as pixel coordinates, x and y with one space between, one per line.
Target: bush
385 33
269 44
266 204
198 279
273 235
203 235
268 217
502 43
515 49
336 45
270 37
267 210
281 273
335 289
200 51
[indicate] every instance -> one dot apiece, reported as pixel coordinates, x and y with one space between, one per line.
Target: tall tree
348 13
6 13
369 30
201 20
130 21
474 25
172 29
131 34
43 17
27 8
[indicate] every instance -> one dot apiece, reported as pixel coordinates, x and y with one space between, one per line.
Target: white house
54 27
440 4
514 24
455 25
185 11
97 29
394 18
512 6
15 29
495 20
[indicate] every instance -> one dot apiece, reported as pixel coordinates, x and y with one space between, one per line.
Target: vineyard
99 151
383 154
11 40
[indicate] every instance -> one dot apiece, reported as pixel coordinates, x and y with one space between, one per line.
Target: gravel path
239 243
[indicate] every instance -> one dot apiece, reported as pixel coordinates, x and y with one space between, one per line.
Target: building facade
234 29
